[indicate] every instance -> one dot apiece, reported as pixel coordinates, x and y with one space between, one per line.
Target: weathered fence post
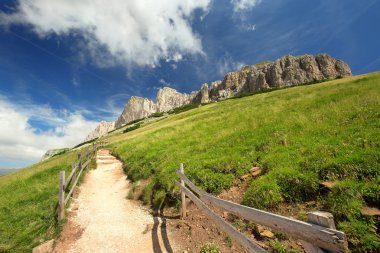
323 219
183 196
74 173
61 196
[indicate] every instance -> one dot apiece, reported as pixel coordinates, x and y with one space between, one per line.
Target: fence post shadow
164 235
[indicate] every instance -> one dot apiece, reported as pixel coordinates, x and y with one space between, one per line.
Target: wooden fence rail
316 235
68 184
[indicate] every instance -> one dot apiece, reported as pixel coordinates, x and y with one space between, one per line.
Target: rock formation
53 152
284 72
102 128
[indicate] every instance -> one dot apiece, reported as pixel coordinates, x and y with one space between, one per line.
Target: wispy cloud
243 5
227 64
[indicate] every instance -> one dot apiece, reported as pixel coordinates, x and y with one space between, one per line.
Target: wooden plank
323 219
81 168
86 163
189 183
183 196
61 196
228 228
74 168
326 238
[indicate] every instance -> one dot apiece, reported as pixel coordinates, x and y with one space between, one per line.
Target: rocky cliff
53 152
166 100
101 129
284 72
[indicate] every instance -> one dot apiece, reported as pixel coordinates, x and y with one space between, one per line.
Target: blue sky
66 65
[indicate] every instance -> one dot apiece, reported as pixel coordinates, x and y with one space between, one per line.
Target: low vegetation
28 200
210 248
299 136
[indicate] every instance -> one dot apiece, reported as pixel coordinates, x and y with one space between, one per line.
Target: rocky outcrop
166 100
103 128
284 72
53 152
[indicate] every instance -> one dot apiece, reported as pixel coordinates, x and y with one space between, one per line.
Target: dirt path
103 220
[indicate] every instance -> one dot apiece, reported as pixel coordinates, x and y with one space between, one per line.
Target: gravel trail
102 219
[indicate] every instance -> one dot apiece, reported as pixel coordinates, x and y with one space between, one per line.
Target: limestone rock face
136 108
286 71
204 94
168 99
102 129
53 152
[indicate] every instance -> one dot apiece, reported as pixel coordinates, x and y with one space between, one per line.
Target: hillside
28 200
300 136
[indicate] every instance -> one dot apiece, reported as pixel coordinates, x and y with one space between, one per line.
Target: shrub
209 248
157 114
361 236
183 108
159 199
277 247
147 194
131 128
297 186
371 192
211 181
262 193
345 200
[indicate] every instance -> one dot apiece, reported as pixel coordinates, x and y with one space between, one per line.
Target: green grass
300 136
28 200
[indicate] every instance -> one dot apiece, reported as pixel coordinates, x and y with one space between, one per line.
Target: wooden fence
67 185
317 235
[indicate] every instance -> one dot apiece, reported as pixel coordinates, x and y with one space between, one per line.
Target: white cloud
114 32
165 83
227 64
19 140
241 5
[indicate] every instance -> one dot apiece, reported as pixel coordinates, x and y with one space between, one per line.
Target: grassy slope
301 136
27 203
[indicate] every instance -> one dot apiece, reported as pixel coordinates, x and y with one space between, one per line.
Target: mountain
101 129
53 152
284 72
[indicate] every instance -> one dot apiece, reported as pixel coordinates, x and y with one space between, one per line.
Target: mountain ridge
284 72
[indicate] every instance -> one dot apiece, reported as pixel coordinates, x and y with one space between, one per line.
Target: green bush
277 247
361 236
209 248
262 193
183 108
147 194
211 181
354 169
345 200
371 192
131 128
158 199
157 114
296 186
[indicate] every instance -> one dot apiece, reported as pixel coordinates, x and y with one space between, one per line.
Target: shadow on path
164 236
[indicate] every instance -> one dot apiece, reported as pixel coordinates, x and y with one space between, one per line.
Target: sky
67 64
